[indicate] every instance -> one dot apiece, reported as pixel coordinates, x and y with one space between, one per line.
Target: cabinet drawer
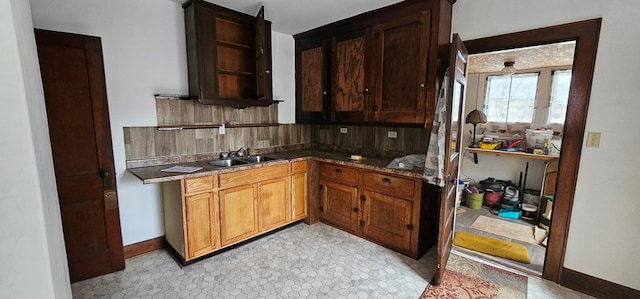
339 174
251 176
390 185
205 183
298 167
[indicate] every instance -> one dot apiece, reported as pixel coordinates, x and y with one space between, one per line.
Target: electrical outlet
343 130
392 134
593 139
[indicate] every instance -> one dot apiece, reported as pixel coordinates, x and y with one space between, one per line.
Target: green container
474 200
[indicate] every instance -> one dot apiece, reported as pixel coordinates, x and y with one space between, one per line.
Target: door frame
585 34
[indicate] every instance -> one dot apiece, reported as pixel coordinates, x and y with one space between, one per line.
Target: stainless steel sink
227 163
240 161
256 159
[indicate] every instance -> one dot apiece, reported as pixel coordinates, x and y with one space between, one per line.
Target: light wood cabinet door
238 213
202 234
299 196
399 69
339 205
387 220
274 201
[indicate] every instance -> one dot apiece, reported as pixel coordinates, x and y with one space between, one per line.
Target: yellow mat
491 246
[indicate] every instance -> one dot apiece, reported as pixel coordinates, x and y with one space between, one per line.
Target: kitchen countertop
152 174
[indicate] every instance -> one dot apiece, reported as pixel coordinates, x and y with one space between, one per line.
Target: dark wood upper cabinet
349 87
228 56
311 84
381 66
399 69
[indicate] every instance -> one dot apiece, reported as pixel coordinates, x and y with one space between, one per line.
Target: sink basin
256 159
227 163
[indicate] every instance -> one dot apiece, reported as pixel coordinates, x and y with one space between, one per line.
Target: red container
492 198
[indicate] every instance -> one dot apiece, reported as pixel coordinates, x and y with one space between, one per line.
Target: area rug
511 230
465 278
492 246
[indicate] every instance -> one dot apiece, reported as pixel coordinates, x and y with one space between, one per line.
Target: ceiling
560 54
296 16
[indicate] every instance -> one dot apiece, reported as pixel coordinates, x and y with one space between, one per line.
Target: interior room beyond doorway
534 96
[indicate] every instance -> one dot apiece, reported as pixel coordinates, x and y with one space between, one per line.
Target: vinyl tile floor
536 252
301 261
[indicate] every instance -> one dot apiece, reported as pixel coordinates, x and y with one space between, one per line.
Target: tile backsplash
149 142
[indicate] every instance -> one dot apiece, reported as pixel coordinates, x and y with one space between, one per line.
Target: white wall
284 80
33 258
144 53
603 239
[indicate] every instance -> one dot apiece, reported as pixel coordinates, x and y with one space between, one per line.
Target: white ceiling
296 16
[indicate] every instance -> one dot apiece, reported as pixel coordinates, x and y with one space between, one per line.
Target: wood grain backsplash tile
148 142
191 112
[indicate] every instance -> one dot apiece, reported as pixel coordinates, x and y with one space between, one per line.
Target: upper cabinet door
263 58
399 69
349 79
228 56
311 84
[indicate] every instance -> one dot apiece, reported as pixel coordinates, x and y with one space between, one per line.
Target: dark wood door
349 83
76 100
339 205
387 220
263 58
399 66
457 81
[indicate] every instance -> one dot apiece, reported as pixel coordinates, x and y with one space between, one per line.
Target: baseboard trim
143 247
595 286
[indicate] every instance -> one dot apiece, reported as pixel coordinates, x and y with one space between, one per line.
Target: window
560 82
511 99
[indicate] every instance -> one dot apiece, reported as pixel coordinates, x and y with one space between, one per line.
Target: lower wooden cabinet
275 203
299 190
238 214
387 220
208 213
202 233
339 205
191 225
387 209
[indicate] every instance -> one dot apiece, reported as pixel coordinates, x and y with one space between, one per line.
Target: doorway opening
518 90
585 34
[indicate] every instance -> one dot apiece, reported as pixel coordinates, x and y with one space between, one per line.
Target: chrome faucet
242 152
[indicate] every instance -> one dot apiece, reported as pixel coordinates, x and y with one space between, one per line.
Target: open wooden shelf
499 153
212 126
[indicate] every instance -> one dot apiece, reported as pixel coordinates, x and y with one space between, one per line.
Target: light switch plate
221 130
392 134
593 139
343 130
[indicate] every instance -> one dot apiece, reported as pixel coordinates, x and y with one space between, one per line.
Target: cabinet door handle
366 90
355 210
421 85
338 170
267 71
386 181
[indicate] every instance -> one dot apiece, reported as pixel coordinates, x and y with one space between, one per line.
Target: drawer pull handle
338 170
386 181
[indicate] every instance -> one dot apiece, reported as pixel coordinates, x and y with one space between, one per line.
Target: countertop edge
152 174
